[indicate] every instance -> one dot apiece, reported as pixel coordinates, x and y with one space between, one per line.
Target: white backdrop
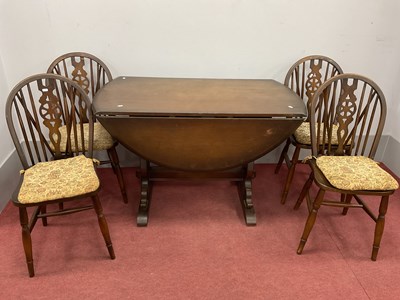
202 38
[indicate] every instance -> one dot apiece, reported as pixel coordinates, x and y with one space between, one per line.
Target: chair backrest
307 74
48 117
85 69
348 114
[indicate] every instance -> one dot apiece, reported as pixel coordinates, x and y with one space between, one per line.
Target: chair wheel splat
304 77
58 168
347 116
91 74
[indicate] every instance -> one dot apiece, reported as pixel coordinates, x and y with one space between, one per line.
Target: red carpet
197 246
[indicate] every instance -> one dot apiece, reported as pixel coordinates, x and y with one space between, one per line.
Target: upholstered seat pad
355 173
58 179
102 140
302 134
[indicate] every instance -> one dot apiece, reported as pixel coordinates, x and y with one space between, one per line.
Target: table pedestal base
242 175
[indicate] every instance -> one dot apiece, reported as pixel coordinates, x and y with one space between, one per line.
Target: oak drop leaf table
198 128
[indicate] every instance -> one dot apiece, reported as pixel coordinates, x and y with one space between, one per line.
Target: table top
152 96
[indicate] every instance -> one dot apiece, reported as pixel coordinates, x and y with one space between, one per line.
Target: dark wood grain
198 128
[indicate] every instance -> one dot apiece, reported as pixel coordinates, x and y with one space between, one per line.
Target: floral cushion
355 173
58 179
102 140
302 134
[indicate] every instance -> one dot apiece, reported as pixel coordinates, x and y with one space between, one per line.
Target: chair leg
26 239
347 200
290 174
311 220
43 210
103 225
113 155
282 157
380 225
304 191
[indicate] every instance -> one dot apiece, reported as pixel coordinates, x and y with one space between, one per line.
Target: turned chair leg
103 225
113 155
346 198
311 220
380 225
289 177
43 210
282 157
26 239
304 191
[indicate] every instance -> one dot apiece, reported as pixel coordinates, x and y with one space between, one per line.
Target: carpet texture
197 246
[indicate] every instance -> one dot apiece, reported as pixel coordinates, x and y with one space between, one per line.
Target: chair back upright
38 108
307 74
347 117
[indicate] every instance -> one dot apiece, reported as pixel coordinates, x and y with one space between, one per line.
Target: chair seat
58 179
302 134
354 173
102 140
